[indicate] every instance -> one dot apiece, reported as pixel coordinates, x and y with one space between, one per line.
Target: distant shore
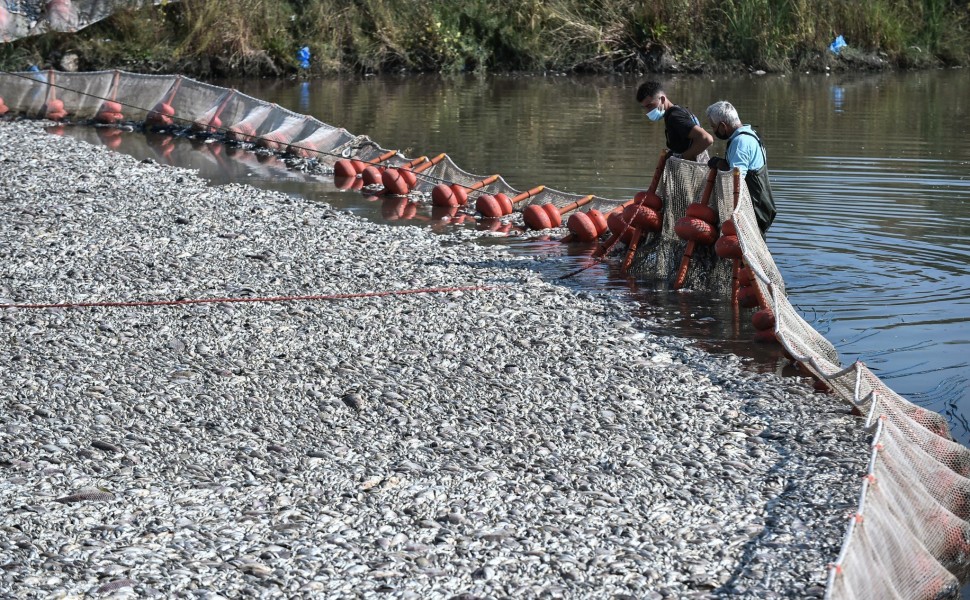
253 38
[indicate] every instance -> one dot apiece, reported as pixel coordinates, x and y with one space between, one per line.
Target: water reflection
870 174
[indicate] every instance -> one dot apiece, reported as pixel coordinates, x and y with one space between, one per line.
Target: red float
621 229
371 175
352 167
458 195
54 110
763 320
587 226
400 180
505 202
702 211
161 115
344 168
745 276
643 218
109 113
409 177
244 132
728 228
695 230
548 215
727 246
541 216
489 206
748 296
649 199
394 182
443 195
598 220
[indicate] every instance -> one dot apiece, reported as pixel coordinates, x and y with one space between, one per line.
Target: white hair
723 111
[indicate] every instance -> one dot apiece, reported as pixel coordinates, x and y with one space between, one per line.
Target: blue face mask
656 114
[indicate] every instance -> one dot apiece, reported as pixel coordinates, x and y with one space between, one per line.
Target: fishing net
909 538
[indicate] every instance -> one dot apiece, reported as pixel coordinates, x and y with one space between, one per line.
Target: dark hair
648 89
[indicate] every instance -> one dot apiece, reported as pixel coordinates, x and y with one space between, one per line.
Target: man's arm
700 141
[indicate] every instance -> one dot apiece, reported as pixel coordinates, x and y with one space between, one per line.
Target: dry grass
262 36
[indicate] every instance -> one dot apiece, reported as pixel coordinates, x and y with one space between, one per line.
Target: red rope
470 288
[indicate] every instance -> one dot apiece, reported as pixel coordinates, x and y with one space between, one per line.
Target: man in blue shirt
746 152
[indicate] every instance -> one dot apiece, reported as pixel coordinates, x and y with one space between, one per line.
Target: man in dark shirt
685 136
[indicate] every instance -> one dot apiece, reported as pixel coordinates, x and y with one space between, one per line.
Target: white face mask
656 114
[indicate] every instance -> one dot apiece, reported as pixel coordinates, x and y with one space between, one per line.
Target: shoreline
517 440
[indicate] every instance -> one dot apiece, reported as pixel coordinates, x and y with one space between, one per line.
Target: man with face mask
685 137
746 152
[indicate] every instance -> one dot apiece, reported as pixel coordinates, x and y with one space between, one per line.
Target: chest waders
760 188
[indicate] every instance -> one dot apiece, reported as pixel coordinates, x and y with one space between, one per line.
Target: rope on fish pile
317 297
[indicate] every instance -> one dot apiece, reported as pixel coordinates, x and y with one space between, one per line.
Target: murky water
871 174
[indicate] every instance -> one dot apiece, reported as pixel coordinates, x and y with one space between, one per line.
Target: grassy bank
261 37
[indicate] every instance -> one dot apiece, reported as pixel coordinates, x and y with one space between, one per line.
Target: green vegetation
261 37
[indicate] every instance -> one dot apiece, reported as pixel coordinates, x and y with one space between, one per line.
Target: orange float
352 167
401 180
642 217
763 320
748 296
695 230
53 109
500 205
109 113
162 115
621 230
371 175
697 227
214 123
455 194
548 215
3 107
728 246
650 199
586 226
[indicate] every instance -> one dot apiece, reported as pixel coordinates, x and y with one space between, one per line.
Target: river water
871 174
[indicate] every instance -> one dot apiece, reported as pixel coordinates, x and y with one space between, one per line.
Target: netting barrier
909 537
23 18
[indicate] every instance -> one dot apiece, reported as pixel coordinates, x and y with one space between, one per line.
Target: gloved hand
719 163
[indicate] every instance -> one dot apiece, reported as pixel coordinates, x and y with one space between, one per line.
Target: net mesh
910 537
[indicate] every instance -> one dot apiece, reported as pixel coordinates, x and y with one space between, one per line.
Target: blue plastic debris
837 45
304 57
